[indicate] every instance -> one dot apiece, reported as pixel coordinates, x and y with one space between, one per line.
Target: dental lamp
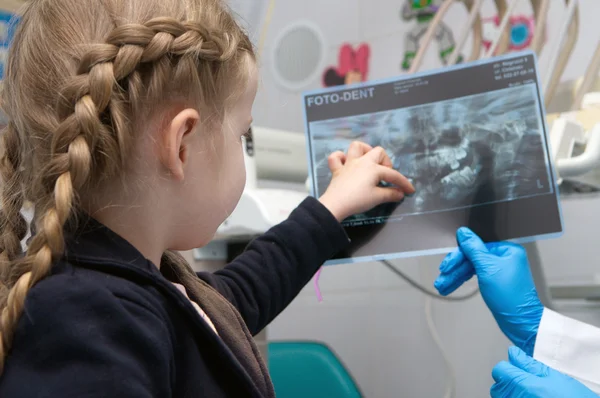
575 142
580 128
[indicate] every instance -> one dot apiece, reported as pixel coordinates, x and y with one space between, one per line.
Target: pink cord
317 290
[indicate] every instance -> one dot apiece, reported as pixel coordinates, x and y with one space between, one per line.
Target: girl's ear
173 146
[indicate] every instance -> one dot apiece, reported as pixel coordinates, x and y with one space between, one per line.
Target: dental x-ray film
472 139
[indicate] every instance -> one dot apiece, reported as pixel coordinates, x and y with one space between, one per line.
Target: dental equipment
561 52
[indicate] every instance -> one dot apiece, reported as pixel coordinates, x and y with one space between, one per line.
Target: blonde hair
82 77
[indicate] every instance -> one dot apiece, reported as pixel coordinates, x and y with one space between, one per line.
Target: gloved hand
524 377
505 282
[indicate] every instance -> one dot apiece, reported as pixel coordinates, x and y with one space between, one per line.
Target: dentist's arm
571 347
508 290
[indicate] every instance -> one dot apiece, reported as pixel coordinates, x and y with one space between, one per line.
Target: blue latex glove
524 377
505 282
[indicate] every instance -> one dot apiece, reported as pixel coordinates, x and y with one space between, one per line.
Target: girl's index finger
394 177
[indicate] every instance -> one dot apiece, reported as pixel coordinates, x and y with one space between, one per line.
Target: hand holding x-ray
356 183
505 282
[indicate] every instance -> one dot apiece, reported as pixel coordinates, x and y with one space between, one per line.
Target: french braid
12 223
95 111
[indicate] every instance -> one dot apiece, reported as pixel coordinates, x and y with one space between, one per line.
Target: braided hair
82 76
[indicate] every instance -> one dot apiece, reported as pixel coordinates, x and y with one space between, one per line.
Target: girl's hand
355 186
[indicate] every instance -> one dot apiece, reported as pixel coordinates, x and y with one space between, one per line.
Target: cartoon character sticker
423 12
353 66
521 31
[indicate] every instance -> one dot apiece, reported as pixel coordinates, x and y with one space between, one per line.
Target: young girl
126 121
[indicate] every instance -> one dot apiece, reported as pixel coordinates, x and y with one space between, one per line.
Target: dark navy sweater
107 323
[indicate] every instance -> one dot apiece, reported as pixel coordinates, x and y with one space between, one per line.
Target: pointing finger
392 176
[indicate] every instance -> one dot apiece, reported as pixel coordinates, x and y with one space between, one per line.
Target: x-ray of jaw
461 152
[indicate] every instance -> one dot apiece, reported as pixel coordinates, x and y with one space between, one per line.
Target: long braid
94 110
67 172
12 222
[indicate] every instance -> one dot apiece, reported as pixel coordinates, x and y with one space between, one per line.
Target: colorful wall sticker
353 66
423 11
521 31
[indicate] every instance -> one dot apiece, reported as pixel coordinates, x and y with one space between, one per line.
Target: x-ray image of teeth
458 153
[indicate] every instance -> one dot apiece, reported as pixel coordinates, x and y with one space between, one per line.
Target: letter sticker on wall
353 66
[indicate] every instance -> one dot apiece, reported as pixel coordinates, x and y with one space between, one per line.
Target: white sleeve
571 347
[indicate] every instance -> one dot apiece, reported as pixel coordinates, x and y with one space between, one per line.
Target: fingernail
410 195
401 196
412 185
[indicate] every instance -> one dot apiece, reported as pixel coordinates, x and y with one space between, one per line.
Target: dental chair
309 370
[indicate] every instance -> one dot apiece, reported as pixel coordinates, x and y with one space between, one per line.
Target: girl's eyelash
248 134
